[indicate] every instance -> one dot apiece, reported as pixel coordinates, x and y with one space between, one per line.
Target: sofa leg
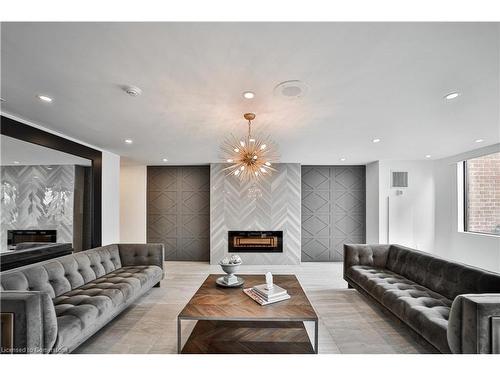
157 285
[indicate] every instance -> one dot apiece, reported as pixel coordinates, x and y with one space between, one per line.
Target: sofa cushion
60 275
422 309
440 275
81 311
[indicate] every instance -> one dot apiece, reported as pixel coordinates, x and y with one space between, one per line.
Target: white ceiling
25 153
366 80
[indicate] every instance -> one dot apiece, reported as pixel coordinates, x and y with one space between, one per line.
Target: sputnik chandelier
252 157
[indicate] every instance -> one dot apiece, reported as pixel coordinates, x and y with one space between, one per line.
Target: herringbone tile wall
278 209
43 199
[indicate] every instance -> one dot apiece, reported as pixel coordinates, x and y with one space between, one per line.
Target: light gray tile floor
349 322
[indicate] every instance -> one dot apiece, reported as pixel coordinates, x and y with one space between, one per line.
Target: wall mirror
50 190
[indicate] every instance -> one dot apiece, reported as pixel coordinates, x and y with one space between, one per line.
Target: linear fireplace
255 241
15 237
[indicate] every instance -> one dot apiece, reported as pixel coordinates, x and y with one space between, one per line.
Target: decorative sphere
235 259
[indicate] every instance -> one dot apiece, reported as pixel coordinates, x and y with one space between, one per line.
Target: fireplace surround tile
279 209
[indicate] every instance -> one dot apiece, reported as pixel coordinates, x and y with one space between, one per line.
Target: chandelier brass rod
251 160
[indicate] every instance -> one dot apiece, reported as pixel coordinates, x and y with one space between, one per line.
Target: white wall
406 219
372 202
110 198
475 249
133 203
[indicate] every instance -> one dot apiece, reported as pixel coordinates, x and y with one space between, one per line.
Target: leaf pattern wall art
9 202
57 202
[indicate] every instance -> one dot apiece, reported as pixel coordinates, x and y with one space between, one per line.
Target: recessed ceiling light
44 98
16 162
479 140
342 159
132 90
164 160
248 94
376 140
129 141
452 95
428 156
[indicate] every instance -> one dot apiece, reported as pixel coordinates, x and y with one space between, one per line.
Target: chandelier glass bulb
250 157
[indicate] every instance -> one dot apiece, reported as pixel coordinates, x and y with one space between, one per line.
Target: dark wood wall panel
333 211
178 211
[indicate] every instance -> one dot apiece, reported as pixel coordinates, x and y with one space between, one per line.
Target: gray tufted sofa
455 307
59 303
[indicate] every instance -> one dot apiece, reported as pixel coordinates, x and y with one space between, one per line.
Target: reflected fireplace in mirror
46 196
36 236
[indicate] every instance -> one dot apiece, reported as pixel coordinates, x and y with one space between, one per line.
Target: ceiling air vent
399 179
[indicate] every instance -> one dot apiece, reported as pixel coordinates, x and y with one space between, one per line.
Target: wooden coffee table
231 322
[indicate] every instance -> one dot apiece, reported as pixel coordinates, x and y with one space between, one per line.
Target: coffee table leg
179 342
316 324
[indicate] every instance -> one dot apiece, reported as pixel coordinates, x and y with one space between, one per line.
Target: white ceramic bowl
230 268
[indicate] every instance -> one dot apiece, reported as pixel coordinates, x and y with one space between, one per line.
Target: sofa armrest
365 255
32 324
474 324
149 254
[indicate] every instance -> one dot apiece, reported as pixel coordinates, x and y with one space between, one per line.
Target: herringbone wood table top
248 337
212 302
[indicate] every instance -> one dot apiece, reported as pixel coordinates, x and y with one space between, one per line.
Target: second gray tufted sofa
60 303
452 305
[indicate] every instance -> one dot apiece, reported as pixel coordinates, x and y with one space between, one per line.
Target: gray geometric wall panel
178 211
43 199
333 211
277 209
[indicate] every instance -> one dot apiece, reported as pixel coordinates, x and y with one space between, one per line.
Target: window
482 194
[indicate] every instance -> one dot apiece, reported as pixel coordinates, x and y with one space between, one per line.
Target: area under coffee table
230 322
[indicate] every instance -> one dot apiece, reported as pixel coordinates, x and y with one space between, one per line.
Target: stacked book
264 295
